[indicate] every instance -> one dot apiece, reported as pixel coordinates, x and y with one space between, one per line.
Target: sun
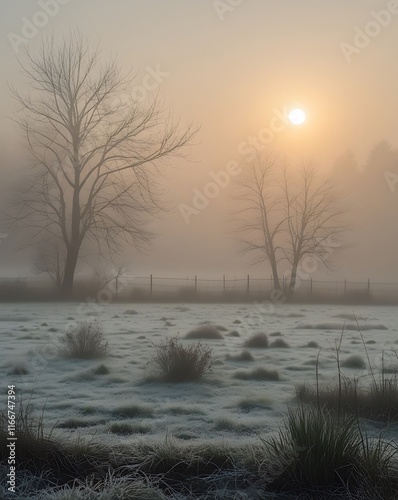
297 116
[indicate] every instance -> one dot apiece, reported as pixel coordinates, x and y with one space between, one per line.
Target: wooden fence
194 287
250 286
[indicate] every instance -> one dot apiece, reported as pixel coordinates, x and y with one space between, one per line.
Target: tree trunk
274 268
74 247
293 279
58 271
69 272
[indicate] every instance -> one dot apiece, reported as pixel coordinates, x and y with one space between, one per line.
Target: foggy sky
230 71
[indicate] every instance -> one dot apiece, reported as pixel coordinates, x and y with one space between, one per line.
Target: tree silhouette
261 219
288 215
313 216
95 154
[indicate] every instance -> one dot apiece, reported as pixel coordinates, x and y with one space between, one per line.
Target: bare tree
261 219
95 161
287 216
314 215
101 277
50 261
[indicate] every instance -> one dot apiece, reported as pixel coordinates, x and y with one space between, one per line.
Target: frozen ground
78 401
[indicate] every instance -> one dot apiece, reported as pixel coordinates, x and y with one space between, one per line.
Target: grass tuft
226 423
355 361
279 343
101 370
179 363
209 332
133 410
319 449
379 402
254 403
84 341
275 334
258 340
73 423
312 344
125 429
18 370
245 355
111 487
259 373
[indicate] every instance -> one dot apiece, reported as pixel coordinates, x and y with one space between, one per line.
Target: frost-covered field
77 400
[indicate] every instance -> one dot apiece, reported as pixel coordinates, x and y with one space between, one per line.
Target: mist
234 72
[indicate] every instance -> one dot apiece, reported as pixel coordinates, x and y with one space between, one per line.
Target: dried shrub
84 341
258 340
179 363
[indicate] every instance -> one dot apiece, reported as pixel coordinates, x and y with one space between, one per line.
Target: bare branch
94 164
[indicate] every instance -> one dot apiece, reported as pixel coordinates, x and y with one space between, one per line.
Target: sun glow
297 116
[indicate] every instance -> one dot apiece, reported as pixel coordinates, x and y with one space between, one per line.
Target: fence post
223 283
117 287
196 284
248 284
151 285
368 286
311 287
